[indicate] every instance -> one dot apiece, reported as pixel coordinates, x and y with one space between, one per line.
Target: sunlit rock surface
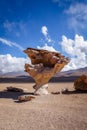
45 65
81 83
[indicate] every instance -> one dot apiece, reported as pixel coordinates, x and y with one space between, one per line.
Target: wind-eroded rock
81 83
47 58
45 65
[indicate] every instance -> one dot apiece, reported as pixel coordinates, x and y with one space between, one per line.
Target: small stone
25 98
65 90
55 93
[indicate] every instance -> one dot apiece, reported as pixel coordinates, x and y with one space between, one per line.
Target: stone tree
44 65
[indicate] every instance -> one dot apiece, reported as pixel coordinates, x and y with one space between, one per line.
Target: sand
47 112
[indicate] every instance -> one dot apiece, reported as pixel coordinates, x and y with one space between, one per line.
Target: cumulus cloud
77 51
11 64
44 31
47 47
9 43
77 16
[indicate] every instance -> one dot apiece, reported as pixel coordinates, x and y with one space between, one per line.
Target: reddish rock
81 83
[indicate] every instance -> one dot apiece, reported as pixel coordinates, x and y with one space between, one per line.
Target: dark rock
14 89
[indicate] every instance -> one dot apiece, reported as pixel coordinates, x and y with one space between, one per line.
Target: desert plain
48 112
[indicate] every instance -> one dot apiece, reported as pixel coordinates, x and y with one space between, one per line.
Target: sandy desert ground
47 112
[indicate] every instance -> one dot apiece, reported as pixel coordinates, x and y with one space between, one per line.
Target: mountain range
70 73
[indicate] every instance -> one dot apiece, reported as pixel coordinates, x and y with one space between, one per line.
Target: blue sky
54 24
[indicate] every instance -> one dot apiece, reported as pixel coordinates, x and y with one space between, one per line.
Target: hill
69 73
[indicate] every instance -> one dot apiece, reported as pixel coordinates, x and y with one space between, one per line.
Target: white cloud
9 25
46 47
14 64
77 16
16 28
44 31
11 64
77 51
78 9
9 43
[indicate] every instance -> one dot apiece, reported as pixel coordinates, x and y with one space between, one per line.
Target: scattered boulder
55 93
81 83
25 98
15 89
64 91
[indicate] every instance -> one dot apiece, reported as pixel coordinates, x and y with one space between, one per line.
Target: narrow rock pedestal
41 90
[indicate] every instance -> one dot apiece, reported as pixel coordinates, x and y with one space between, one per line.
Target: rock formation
25 98
14 89
81 83
45 64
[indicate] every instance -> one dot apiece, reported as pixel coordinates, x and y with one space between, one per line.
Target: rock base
41 90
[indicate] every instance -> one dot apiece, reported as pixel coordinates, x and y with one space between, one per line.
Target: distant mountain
14 74
69 73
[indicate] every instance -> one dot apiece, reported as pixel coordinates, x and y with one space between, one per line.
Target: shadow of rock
75 92
13 95
17 101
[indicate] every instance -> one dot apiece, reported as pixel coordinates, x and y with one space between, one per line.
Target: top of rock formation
47 58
